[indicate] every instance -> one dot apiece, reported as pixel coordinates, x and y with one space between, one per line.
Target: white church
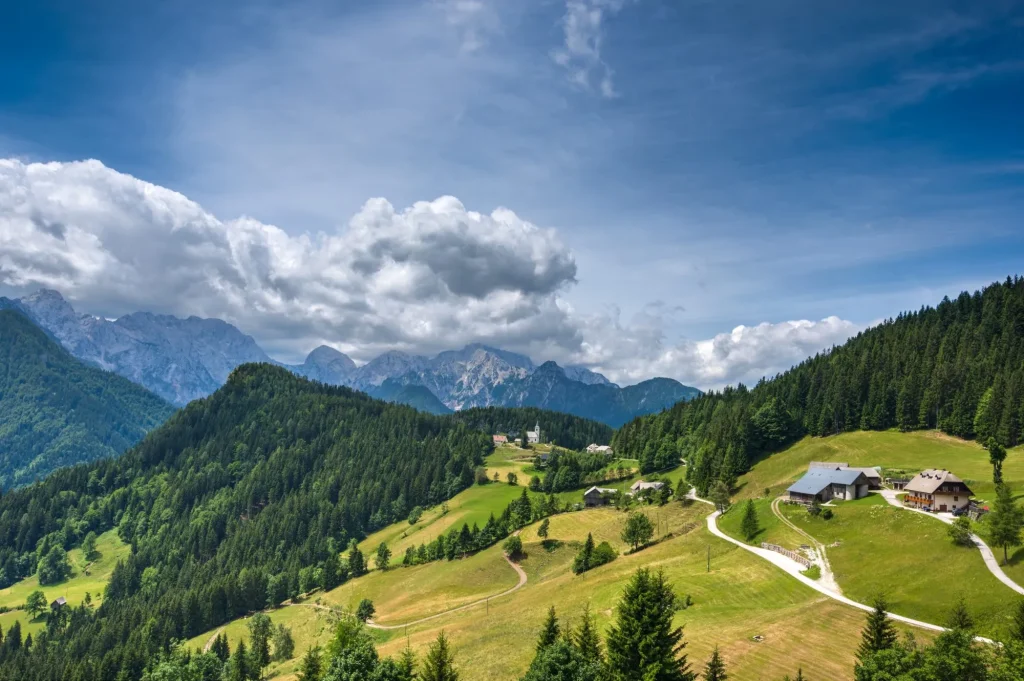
533 436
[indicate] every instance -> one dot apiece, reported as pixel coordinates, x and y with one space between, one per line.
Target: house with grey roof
641 485
599 496
825 484
937 490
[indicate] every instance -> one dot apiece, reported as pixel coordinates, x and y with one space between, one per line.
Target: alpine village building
937 490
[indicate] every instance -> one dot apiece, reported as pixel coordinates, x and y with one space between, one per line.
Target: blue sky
707 164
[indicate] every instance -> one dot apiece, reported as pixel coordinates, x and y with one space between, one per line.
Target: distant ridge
57 411
184 359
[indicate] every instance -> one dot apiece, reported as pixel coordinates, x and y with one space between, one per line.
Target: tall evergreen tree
356 561
714 670
879 632
749 525
1005 521
561 661
587 639
550 631
439 664
260 631
643 644
312 665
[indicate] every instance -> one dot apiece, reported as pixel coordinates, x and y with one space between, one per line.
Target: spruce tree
959 618
1017 628
587 639
879 632
714 670
439 664
551 631
750 526
356 562
312 668
1005 521
643 644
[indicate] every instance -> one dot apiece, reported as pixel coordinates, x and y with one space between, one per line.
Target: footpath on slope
991 562
795 570
522 581
827 577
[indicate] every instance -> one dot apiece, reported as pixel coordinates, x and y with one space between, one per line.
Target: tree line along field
109 549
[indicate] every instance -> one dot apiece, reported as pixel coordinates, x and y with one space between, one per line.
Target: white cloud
430 277
474 20
634 352
583 29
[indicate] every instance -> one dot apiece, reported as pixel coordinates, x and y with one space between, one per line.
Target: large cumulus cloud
425 278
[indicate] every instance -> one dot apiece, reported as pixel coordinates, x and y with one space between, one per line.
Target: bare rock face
185 359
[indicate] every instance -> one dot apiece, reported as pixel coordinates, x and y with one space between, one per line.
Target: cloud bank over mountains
425 278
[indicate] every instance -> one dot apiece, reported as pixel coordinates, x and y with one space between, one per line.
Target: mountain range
185 359
58 411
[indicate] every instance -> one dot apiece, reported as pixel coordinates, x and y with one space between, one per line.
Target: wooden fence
787 553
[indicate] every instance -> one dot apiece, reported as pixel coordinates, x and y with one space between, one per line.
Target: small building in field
599 449
937 490
58 604
897 483
533 436
873 475
598 496
500 439
825 484
641 485
541 460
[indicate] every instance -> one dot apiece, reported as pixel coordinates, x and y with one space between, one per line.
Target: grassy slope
740 597
909 451
872 531
909 557
405 594
110 548
773 530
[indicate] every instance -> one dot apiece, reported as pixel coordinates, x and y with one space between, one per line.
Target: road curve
991 562
794 569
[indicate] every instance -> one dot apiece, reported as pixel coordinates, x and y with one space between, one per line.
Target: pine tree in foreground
714 670
439 665
551 631
879 632
643 644
586 638
312 665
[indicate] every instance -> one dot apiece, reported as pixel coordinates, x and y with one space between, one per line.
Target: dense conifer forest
56 411
237 502
958 367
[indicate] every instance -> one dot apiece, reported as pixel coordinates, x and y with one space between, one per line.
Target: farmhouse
823 484
58 604
598 496
937 490
533 436
500 439
873 475
599 449
640 486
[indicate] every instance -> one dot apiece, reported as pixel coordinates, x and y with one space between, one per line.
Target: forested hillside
237 496
565 430
56 411
958 367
